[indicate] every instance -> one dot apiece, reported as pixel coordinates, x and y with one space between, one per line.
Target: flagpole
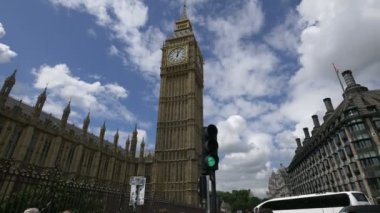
337 75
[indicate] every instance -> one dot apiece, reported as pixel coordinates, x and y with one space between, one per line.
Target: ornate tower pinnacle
102 133
9 82
40 103
134 143
116 139
142 149
65 115
127 144
86 123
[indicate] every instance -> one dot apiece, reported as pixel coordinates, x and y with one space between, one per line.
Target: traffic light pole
214 208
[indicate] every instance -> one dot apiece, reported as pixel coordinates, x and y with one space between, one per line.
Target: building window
361 186
355 168
31 147
45 151
348 151
347 171
89 162
70 157
11 146
363 144
376 122
358 131
374 161
342 155
374 183
351 112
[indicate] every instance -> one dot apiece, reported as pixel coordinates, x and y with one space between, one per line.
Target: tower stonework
180 118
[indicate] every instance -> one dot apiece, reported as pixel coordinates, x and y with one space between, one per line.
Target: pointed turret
65 115
142 147
115 140
40 103
86 123
134 143
101 135
9 82
127 144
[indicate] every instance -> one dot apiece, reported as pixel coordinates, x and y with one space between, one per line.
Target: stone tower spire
142 147
184 11
40 103
86 123
134 143
9 82
102 133
65 115
115 140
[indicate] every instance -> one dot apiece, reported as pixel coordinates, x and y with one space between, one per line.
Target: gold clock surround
182 61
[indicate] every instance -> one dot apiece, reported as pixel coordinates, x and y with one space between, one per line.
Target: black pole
213 193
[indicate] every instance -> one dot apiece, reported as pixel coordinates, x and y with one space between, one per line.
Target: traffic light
210 159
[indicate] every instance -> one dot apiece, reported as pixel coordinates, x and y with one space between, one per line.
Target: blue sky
267 67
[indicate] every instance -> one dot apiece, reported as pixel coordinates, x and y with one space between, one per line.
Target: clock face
177 55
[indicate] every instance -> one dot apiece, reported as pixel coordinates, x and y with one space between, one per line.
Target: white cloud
126 19
6 54
102 99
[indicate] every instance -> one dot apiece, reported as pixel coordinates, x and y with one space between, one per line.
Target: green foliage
239 199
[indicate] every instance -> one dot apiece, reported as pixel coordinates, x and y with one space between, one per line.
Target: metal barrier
24 186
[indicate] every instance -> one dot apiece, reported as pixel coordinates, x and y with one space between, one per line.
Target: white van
330 202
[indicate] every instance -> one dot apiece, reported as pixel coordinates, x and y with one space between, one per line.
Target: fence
24 186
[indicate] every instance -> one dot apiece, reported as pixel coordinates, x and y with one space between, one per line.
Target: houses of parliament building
31 136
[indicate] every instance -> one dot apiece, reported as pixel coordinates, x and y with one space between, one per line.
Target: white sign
137 190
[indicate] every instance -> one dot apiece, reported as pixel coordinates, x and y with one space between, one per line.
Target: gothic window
11 146
70 156
105 167
31 147
45 151
89 162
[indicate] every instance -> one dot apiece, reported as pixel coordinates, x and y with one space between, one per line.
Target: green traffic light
210 161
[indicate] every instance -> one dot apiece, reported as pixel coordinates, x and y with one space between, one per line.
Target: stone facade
343 153
29 135
278 184
180 118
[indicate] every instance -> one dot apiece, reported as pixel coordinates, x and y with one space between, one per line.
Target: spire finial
184 11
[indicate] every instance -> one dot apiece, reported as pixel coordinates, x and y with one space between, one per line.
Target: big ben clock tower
180 118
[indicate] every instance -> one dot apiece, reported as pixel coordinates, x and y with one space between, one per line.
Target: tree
239 199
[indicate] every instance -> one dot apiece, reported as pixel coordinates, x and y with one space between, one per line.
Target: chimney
307 134
315 121
298 141
348 78
328 104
